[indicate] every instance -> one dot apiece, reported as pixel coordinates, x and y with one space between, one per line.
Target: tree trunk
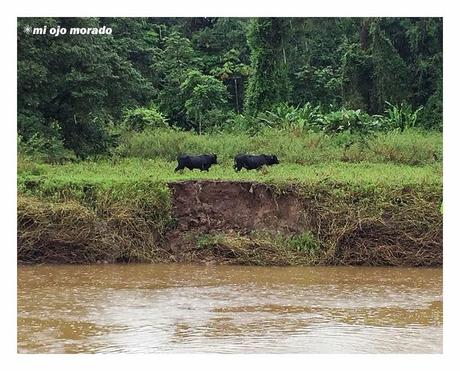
364 34
236 94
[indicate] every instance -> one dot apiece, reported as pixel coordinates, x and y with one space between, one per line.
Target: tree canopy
198 72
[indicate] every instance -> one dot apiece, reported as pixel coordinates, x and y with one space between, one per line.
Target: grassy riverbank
106 173
124 210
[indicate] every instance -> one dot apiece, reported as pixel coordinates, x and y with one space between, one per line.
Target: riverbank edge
231 222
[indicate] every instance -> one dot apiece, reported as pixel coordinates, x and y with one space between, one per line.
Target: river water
228 309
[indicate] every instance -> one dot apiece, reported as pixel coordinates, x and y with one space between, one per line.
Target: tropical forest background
156 87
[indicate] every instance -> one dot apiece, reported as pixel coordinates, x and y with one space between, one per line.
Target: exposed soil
221 205
224 206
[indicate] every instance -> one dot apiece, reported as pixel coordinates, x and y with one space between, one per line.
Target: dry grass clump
69 232
397 229
257 248
381 242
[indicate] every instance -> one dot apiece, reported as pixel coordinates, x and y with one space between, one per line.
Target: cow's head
213 158
272 160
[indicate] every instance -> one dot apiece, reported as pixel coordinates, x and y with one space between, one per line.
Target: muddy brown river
228 309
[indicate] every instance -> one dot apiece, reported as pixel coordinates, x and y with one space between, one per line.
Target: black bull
250 162
202 162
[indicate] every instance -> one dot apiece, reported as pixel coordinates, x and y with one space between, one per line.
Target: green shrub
401 116
41 148
304 242
431 116
354 121
139 119
215 118
292 118
207 96
239 123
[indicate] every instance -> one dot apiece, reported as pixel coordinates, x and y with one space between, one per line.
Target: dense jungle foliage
85 95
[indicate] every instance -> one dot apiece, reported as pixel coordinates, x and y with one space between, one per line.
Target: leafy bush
354 121
239 123
141 118
285 116
215 119
431 116
322 84
401 116
49 149
304 242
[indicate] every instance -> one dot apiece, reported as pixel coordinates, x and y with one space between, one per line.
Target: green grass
129 171
411 147
391 159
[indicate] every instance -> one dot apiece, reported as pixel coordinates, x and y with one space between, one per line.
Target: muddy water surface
189 308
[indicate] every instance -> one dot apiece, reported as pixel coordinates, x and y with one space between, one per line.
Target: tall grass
413 147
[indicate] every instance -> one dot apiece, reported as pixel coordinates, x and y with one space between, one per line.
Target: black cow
202 162
250 162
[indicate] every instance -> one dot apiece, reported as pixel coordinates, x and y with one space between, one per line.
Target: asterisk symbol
27 29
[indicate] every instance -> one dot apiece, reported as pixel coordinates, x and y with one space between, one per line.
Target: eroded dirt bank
236 222
209 206
250 223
